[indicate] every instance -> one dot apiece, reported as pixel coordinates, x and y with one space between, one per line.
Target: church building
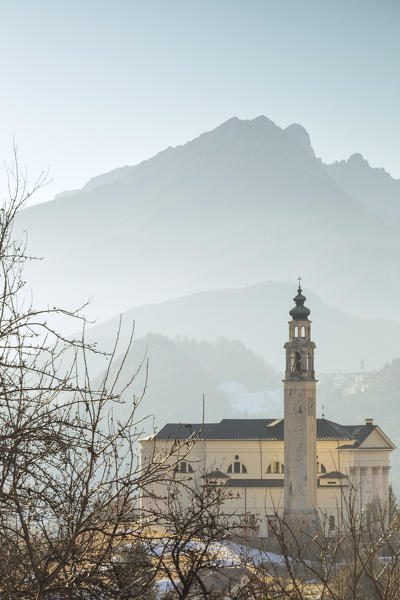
293 466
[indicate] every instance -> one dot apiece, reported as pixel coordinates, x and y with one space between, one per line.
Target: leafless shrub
70 478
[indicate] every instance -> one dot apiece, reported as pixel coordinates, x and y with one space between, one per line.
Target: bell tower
300 486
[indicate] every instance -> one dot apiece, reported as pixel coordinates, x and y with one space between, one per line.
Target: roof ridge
261 429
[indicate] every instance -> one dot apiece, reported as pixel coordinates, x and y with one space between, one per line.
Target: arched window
183 467
321 468
275 467
331 523
296 362
237 467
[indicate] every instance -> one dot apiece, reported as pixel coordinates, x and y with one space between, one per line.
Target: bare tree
188 534
70 478
358 559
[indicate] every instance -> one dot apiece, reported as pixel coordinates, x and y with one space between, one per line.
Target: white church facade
292 466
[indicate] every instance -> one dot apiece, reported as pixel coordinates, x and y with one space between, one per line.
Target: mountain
373 188
233 380
248 201
257 315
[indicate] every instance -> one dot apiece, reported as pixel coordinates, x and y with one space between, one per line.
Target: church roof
262 429
247 429
183 431
359 432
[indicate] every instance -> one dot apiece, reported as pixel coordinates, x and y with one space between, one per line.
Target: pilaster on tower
300 486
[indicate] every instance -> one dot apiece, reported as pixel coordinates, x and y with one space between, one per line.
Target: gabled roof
361 434
351 436
258 429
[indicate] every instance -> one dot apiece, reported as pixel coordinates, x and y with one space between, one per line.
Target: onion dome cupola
299 312
300 347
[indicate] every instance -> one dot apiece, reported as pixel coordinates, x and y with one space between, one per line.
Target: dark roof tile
183 431
359 432
259 429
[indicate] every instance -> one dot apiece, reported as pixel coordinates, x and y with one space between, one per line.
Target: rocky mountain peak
299 134
357 160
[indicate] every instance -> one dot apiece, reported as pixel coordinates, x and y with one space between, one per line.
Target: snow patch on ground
226 554
252 402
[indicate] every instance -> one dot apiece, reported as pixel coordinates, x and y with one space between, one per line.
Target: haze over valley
201 246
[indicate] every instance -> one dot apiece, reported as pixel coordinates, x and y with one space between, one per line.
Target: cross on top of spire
299 278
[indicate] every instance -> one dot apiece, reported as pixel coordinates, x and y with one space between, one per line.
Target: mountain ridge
296 131
243 202
257 316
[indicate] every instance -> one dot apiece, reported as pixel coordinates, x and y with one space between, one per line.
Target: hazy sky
90 85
